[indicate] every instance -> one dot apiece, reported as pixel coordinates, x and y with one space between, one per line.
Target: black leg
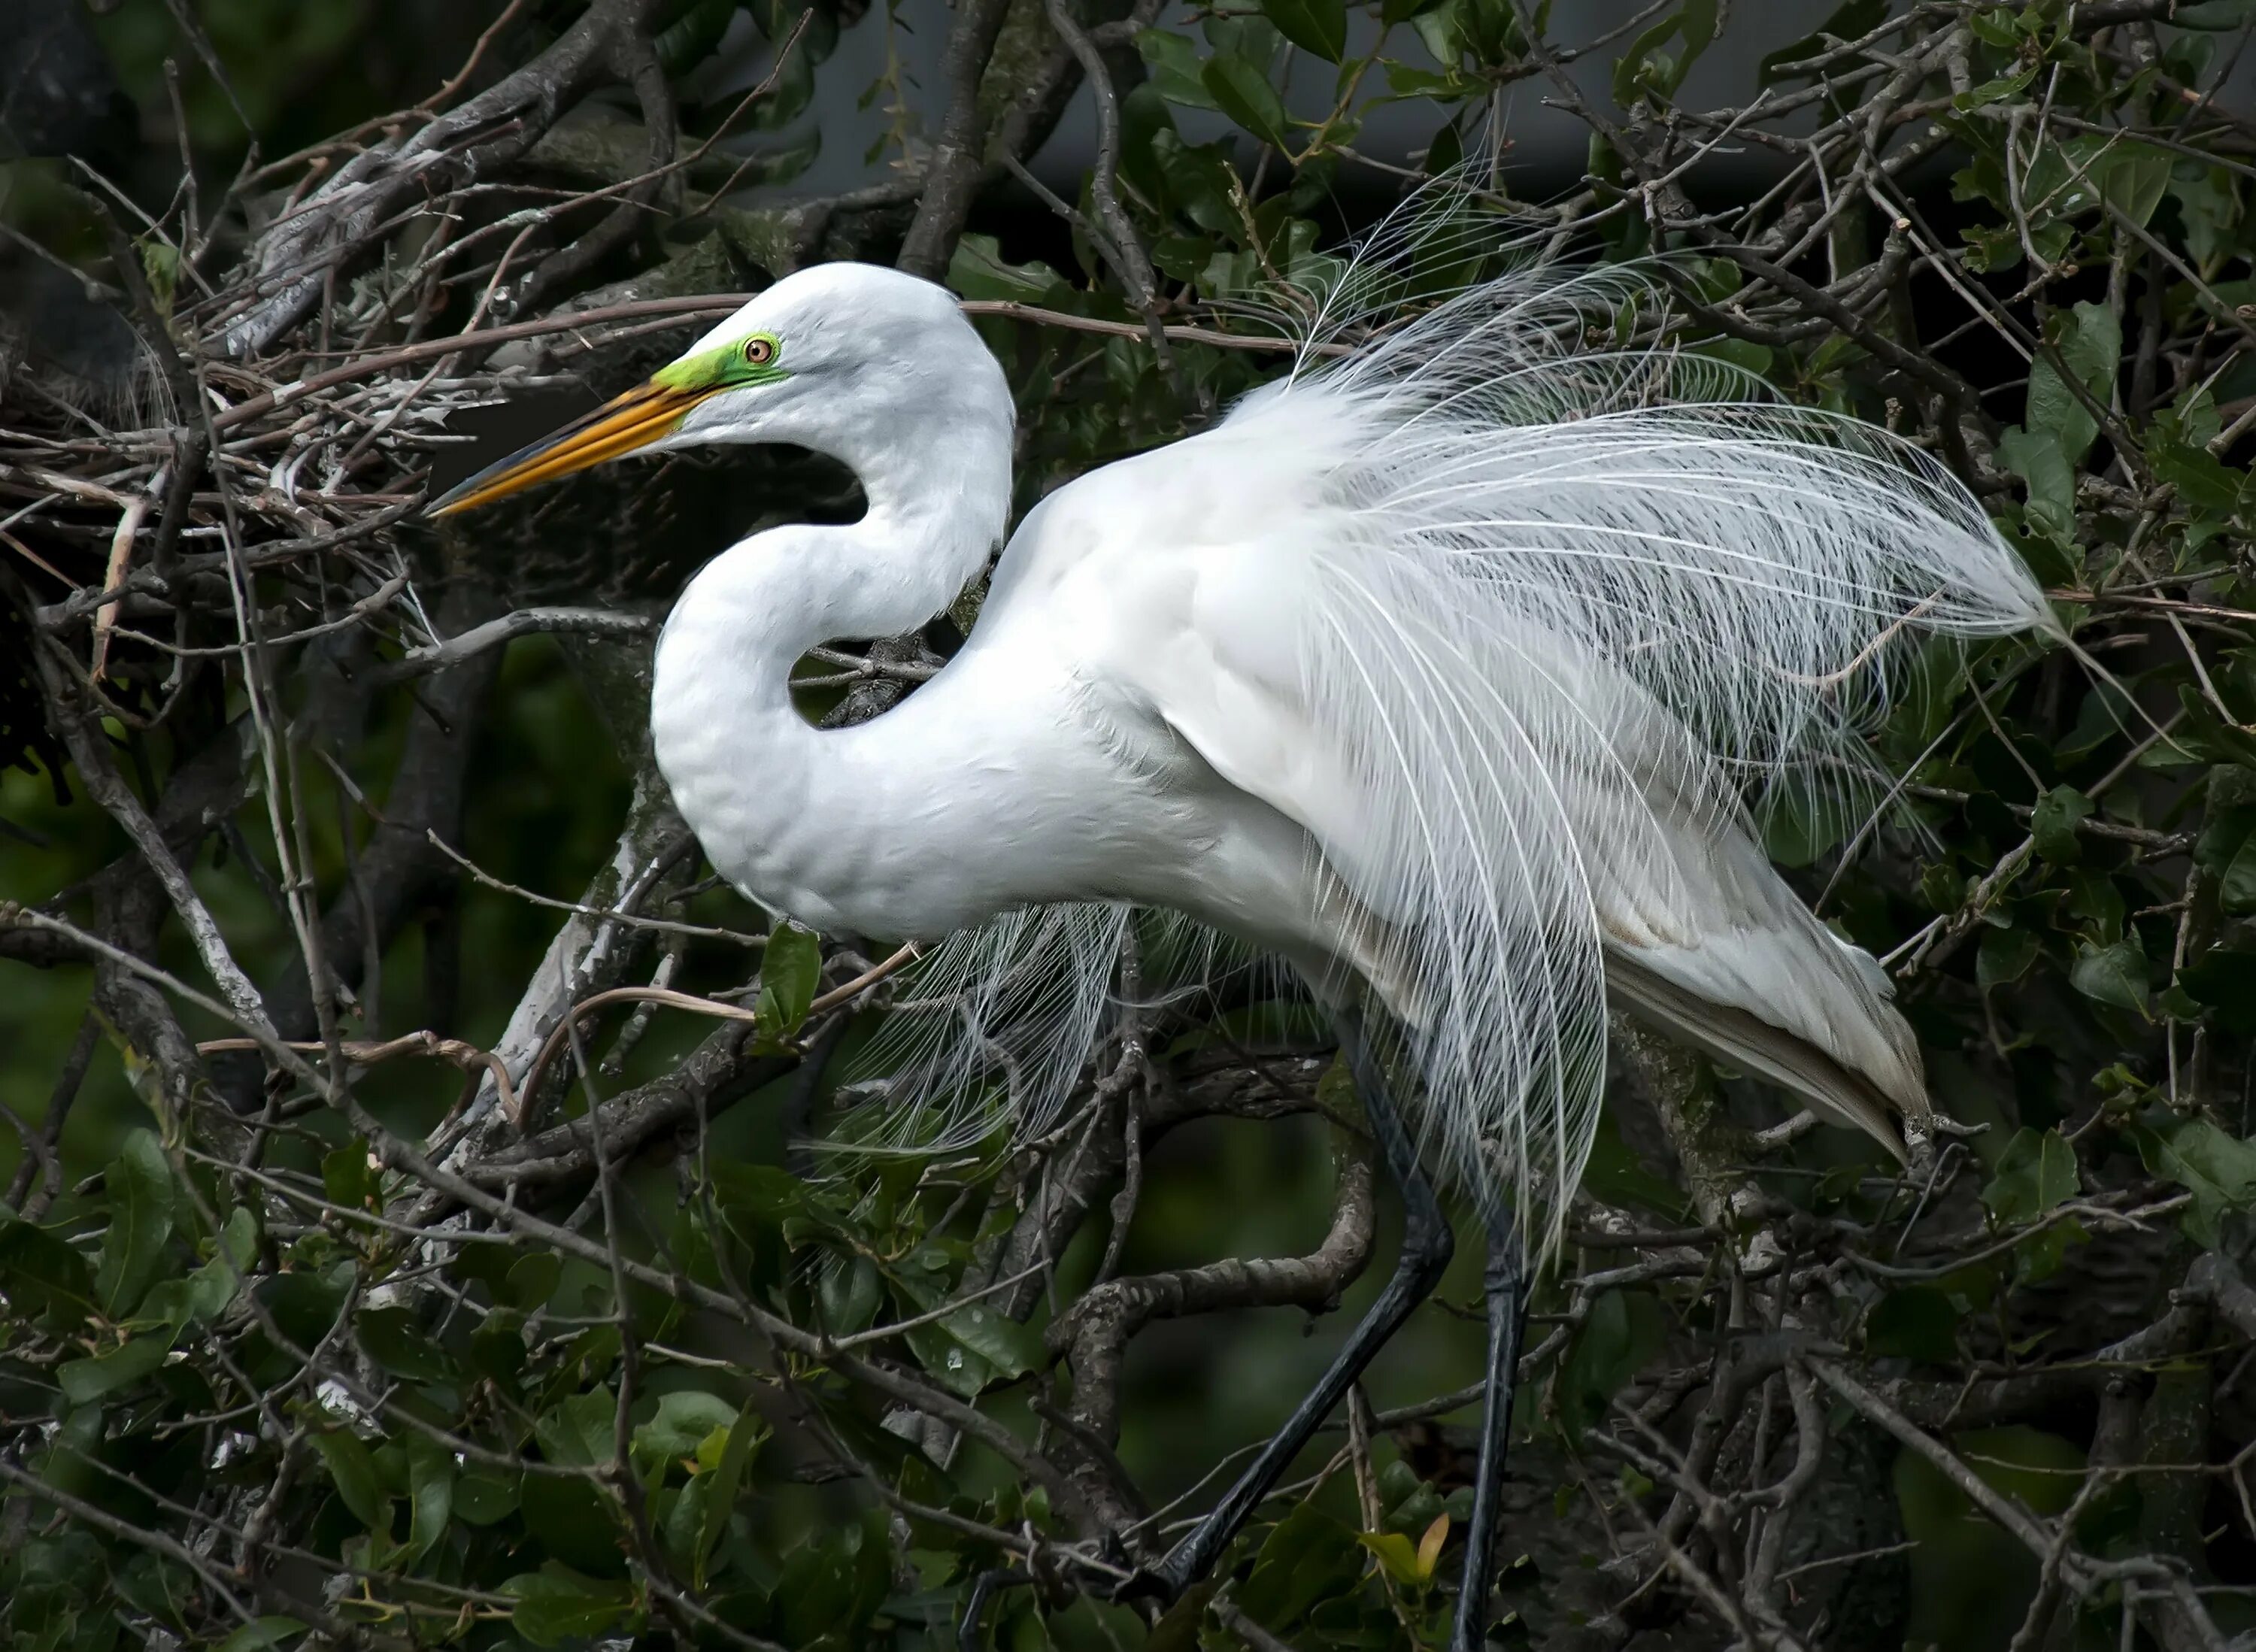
1504 1283
1427 1243
987 1582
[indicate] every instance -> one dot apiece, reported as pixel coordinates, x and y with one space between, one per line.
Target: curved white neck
937 480
806 820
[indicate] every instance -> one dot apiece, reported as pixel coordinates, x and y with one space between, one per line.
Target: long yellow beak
619 426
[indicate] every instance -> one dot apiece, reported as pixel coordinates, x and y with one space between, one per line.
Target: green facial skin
725 368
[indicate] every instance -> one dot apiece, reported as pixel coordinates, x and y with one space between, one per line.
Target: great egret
1438 668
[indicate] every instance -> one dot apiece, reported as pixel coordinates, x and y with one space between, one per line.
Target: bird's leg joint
1428 1241
1162 1583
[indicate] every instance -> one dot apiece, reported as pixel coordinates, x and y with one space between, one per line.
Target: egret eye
759 349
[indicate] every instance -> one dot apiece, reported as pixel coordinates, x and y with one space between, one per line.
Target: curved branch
337 225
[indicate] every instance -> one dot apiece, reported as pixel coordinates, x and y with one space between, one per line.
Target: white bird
1440 668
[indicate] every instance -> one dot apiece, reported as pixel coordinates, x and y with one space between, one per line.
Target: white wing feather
1528 617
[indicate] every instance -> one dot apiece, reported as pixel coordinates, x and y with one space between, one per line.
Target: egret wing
1704 938
1430 755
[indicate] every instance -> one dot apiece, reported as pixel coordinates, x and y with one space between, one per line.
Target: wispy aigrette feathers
1562 603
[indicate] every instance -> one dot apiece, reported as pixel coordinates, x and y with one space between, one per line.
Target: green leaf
1011 1348
1942 888
140 1186
790 970
481 1496
395 1338
2225 981
157 1588
1920 1322
42 1275
947 1360
1396 1553
354 1472
1307 1559
690 40
1753 359
832 1586
1447 151
579 1432
2208 207
2226 848
2039 1255
261 1633
2236 887
850 1291
430 1493
1995 91
1643 67
211 1287
2137 174
2089 342
756 1199
2036 1173
87 1380
2006 955
556 1604
2114 974
744 1435
1643 64
2204 481
2093 897
349 1178
577 1524
684 1419
1174 63
1314 26
2214 14
678 1516
1994 27
2039 459
2063 180
979 270
2201 732
1849 22
2218 1169
2053 824
531 1282
2042 1471
305 1304
1243 92
497 1350
1443 30
1202 184
1623 1329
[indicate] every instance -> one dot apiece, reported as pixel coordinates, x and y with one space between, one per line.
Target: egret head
837 358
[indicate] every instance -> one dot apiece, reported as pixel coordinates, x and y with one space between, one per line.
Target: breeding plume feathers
999 1020
1568 594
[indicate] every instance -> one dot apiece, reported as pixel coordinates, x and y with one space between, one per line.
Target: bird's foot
1161 1583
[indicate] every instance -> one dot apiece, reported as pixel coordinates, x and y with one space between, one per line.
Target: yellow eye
759 349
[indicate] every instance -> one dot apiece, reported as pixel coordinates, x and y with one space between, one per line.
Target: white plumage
1443 666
